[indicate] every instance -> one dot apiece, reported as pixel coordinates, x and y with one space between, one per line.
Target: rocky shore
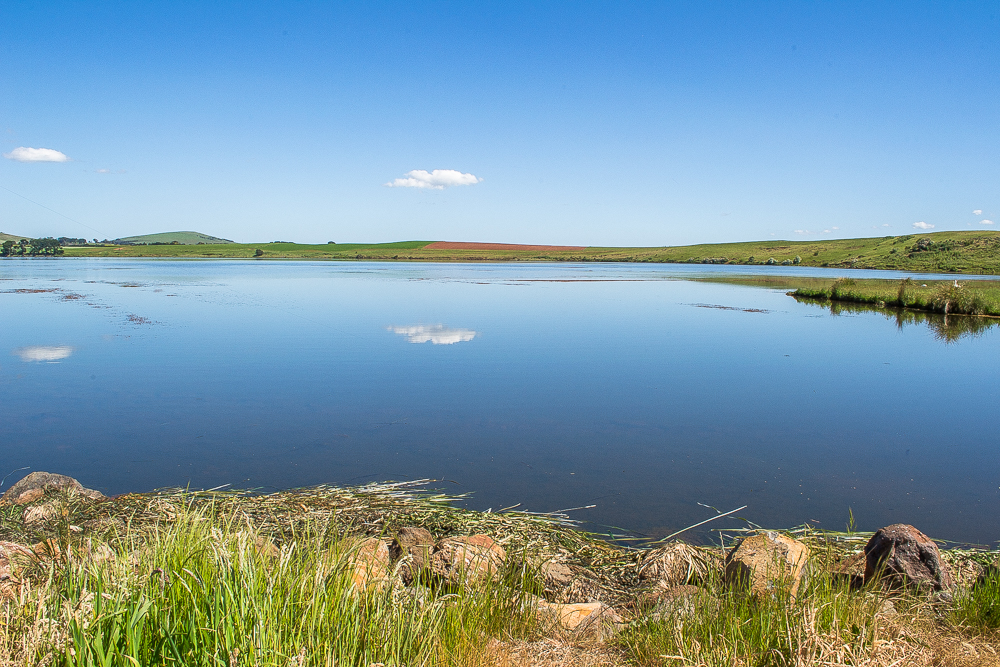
587 601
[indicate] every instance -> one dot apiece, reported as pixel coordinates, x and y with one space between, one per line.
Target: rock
367 561
414 545
26 490
265 548
766 562
29 496
556 576
901 556
466 560
593 620
677 564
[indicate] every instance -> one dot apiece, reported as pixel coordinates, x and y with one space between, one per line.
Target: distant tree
258 252
45 246
7 249
797 260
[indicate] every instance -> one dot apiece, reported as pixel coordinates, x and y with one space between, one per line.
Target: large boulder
467 560
367 561
901 556
37 484
766 563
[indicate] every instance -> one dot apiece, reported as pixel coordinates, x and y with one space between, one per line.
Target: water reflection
51 354
436 333
945 328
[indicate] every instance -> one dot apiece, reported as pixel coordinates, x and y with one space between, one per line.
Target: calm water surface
625 387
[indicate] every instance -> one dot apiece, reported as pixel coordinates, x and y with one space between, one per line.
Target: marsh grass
945 297
978 608
225 579
196 592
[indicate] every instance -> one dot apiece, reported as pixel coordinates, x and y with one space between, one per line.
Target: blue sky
583 123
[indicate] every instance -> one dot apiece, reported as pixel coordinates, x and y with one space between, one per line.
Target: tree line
31 248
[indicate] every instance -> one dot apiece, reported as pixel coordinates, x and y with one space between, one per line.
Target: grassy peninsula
951 252
304 577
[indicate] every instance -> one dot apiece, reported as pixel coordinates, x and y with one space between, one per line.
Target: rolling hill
181 238
11 237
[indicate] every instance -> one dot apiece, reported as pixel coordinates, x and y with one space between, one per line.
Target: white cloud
922 225
986 222
978 211
436 333
439 179
827 231
801 231
886 225
103 171
25 154
43 353
835 228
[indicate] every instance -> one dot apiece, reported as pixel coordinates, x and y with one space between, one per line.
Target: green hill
181 238
11 237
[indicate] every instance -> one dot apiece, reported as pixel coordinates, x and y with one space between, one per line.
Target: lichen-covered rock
766 563
37 484
467 560
901 556
367 561
677 564
590 620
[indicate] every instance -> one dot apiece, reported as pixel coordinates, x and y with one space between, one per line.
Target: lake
625 387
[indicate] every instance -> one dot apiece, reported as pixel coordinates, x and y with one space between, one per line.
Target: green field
11 237
951 252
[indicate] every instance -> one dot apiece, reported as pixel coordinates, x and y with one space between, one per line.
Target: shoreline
409 556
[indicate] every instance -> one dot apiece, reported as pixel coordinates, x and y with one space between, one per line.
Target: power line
50 209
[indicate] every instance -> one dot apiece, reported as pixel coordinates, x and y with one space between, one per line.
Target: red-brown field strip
460 245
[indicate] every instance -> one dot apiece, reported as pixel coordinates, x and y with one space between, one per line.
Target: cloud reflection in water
435 333
50 354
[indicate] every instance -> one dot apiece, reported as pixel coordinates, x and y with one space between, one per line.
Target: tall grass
195 593
978 608
945 297
825 619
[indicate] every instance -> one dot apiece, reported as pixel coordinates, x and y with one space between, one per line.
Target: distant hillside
11 237
182 238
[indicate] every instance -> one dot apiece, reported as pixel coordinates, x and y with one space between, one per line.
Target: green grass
978 608
972 297
198 594
954 252
11 237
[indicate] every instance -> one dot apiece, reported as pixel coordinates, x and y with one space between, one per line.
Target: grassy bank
232 579
955 252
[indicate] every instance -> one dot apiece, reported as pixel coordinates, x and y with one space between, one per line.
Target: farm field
948 252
